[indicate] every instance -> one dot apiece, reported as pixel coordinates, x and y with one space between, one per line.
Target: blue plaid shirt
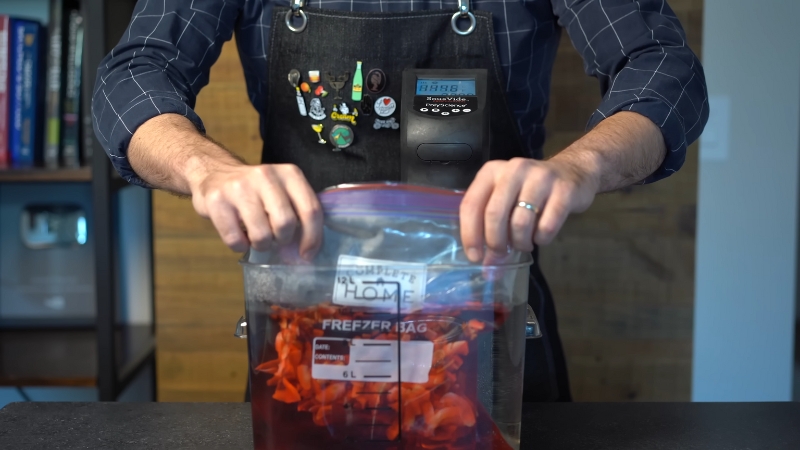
635 48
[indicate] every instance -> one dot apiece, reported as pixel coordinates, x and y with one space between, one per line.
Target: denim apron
330 41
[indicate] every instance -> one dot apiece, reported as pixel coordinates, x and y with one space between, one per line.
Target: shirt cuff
659 113
133 119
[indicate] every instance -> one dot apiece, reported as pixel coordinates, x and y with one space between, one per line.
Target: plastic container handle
241 329
532 329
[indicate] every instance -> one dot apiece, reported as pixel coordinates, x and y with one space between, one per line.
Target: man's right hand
249 205
256 205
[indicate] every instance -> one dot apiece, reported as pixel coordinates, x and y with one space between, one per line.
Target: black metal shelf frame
105 22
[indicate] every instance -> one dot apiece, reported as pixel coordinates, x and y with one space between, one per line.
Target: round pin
376 81
385 106
341 136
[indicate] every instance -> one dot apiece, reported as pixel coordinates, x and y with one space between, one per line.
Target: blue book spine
25 50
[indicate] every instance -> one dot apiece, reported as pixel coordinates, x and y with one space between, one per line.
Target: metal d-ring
454 24
296 11
463 12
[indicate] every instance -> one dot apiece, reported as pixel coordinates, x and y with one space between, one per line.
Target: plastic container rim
526 262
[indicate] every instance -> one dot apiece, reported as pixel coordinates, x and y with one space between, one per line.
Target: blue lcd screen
443 86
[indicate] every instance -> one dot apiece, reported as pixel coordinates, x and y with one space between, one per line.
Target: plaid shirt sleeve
638 52
158 67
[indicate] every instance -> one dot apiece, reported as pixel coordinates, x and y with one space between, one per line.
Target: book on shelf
26 92
40 89
5 42
72 100
56 74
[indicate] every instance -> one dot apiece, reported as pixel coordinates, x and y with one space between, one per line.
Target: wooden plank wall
198 282
622 273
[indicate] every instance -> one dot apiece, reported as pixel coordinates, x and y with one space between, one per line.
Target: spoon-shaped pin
294 77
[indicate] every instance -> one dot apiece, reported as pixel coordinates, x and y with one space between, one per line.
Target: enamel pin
376 81
385 106
342 113
366 105
318 128
388 123
316 111
294 79
337 83
341 136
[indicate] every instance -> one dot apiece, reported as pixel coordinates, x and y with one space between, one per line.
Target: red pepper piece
463 405
456 348
268 366
286 394
306 405
304 377
393 431
331 393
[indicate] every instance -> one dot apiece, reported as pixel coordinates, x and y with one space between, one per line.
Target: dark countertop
573 426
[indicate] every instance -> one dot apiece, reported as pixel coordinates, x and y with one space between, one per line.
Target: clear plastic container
358 351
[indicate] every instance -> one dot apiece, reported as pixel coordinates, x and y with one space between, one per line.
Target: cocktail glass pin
318 128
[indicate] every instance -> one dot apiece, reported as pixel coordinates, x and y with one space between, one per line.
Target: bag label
380 284
371 360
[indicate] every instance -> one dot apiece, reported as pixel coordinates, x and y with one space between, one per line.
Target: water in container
390 338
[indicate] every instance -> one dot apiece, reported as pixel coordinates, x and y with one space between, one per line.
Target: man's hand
490 214
623 149
256 205
248 205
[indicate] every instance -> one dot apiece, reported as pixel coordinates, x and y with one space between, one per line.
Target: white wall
748 203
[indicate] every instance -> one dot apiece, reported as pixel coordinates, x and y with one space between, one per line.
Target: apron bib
331 42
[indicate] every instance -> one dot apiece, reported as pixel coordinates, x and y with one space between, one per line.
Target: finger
309 211
255 220
523 221
471 212
498 209
282 218
226 221
553 216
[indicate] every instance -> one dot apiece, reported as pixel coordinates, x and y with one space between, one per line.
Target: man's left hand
490 211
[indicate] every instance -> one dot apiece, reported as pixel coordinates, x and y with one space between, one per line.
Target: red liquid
444 414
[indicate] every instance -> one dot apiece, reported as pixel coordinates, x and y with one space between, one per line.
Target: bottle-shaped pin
301 103
294 79
358 81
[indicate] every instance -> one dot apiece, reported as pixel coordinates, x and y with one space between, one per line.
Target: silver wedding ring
529 207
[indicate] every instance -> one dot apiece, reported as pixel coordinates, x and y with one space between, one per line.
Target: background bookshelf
111 356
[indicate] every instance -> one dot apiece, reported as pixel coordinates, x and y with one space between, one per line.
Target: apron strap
296 12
